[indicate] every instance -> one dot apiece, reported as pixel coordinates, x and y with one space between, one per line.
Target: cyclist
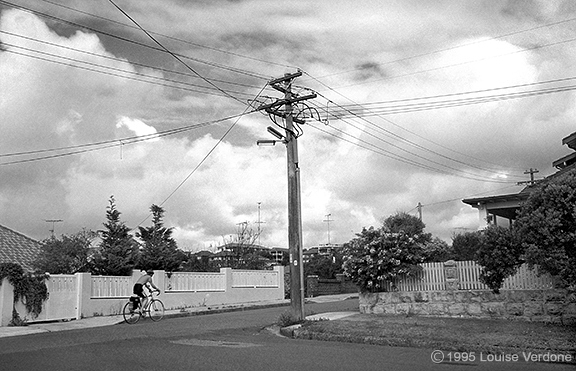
145 280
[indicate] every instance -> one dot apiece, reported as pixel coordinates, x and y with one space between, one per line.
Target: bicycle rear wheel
156 310
130 316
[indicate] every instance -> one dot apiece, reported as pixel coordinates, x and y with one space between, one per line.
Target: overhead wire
151 47
389 133
122 60
246 109
389 154
142 77
458 47
415 145
83 148
172 37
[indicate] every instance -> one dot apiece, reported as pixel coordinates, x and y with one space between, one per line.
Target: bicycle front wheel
130 316
156 310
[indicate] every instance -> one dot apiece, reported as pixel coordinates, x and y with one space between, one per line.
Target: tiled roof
17 248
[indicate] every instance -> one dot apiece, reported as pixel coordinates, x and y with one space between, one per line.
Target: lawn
456 334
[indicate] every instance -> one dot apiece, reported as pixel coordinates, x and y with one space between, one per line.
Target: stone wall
557 305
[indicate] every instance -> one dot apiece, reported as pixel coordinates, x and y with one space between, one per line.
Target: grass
450 334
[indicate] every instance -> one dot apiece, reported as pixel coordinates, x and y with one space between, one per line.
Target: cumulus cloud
71 89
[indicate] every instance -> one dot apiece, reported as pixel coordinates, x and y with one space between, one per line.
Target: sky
156 103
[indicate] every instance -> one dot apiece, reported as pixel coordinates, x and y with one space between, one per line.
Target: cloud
358 170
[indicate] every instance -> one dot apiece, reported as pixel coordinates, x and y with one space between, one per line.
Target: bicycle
154 308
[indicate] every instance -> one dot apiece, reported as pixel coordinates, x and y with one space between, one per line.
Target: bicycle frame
133 315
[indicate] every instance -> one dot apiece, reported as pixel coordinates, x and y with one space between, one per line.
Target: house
279 254
327 250
502 209
18 248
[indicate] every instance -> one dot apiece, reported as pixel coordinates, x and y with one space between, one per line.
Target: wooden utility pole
53 221
328 220
419 210
532 181
284 85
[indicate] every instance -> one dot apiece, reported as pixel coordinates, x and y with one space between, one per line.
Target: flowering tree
378 256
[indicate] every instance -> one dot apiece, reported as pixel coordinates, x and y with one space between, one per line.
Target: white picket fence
432 278
195 282
255 279
84 295
110 286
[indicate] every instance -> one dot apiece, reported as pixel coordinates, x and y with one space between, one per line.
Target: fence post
160 279
83 293
6 302
227 277
280 270
312 285
451 275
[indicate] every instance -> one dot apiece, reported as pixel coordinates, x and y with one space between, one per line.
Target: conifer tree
117 254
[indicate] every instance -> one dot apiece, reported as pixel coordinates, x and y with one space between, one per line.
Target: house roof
18 248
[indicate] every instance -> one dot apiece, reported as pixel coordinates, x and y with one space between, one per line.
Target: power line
123 60
386 153
78 149
457 47
171 37
121 72
398 126
205 157
108 34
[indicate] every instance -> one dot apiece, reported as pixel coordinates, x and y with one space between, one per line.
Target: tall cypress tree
118 252
160 250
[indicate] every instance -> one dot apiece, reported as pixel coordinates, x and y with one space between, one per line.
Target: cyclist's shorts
139 290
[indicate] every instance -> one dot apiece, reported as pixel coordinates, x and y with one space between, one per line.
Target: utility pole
532 181
53 221
289 138
259 222
419 206
327 220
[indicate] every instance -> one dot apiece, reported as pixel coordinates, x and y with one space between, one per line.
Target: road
227 341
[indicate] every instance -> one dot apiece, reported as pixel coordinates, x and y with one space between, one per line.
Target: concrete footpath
40 327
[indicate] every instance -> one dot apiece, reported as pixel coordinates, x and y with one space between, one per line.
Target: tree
160 250
117 254
377 256
437 250
499 254
546 226
409 224
67 255
323 266
465 245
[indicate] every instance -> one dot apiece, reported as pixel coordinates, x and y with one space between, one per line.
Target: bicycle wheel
130 316
156 310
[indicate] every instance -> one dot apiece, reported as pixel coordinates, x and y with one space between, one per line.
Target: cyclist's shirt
139 285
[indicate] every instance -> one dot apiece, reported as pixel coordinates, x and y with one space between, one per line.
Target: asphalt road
226 341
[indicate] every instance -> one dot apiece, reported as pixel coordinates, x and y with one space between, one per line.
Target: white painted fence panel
432 278
196 281
254 279
111 286
61 303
